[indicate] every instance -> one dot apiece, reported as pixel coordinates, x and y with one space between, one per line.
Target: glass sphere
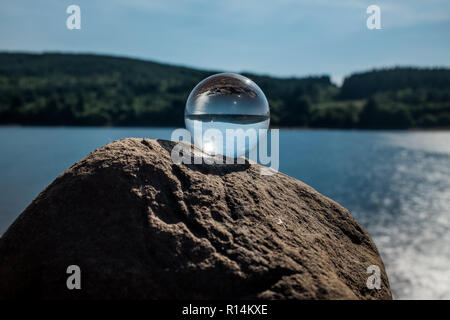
224 102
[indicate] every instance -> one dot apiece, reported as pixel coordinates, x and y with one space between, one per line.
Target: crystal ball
224 107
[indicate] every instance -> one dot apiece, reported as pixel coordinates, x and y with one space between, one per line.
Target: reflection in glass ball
222 102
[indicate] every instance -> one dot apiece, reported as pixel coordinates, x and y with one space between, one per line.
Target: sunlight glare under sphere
226 101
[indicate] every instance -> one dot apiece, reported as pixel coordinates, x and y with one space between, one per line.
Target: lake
395 183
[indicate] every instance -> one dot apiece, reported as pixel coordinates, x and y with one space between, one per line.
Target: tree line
73 89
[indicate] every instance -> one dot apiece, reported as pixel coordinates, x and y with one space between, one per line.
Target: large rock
140 226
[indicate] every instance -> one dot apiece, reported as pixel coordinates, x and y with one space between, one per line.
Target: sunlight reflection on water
415 240
396 184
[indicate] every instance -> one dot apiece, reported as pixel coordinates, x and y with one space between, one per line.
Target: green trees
379 115
366 84
344 115
67 89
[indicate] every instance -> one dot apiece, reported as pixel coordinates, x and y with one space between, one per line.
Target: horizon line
259 74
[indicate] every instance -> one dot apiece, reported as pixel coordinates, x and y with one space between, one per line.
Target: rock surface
140 226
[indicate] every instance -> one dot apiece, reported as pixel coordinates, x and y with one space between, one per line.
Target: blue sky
282 38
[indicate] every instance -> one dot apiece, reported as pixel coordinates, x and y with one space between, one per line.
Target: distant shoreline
92 90
271 127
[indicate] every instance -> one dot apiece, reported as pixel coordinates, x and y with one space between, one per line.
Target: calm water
396 184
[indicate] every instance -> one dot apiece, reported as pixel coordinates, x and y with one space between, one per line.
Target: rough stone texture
140 226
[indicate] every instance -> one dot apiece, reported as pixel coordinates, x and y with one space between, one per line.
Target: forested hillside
71 89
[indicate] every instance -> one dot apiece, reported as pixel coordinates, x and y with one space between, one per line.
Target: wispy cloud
410 13
283 37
